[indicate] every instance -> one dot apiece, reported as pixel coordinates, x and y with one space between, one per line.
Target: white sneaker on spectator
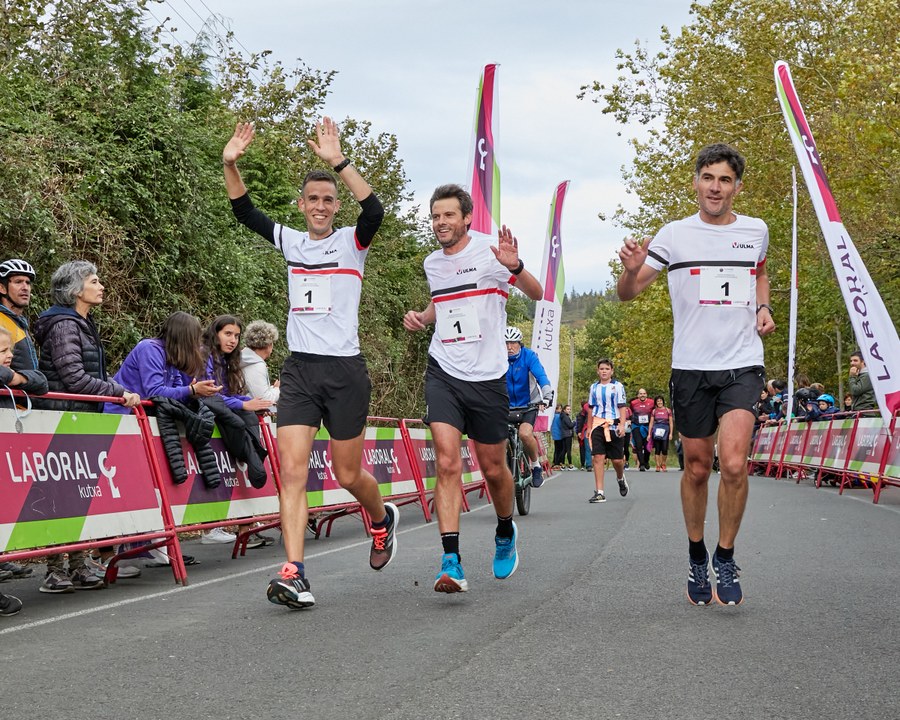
217 536
98 567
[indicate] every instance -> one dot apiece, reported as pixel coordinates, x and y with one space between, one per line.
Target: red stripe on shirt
329 271
470 293
695 271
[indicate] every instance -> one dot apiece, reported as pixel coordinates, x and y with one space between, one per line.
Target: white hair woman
259 339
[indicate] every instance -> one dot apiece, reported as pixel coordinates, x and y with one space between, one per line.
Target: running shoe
506 557
124 570
623 486
9 605
290 588
537 477
83 578
384 540
597 497
728 585
5 575
699 591
451 578
56 581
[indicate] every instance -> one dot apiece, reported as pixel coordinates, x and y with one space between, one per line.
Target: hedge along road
594 624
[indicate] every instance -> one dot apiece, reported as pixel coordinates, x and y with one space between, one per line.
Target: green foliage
714 82
112 153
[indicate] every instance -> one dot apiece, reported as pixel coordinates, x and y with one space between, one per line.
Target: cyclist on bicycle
527 384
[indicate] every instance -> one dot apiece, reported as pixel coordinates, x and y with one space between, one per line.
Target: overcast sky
412 67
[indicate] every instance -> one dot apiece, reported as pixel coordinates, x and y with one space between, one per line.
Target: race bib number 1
310 294
458 324
728 286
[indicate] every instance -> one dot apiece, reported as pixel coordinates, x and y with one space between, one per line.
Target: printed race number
728 286
458 324
310 294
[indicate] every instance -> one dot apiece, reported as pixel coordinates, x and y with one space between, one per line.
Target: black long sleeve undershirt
367 224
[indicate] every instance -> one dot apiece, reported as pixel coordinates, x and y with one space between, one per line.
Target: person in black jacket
567 430
73 360
72 355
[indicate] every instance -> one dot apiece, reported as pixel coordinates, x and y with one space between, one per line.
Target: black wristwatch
767 307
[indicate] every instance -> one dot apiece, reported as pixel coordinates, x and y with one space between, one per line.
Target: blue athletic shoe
451 578
728 586
537 477
506 558
699 591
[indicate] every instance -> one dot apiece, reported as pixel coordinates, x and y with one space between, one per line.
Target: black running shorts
477 409
701 397
325 389
614 448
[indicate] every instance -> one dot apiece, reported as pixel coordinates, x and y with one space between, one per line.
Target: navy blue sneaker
506 557
699 591
537 477
728 585
451 578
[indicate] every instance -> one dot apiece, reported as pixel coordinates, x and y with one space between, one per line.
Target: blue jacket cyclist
526 384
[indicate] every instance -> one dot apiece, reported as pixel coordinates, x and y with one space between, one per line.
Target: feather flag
484 172
548 313
874 329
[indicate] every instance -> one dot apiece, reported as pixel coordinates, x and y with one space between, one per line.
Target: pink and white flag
484 173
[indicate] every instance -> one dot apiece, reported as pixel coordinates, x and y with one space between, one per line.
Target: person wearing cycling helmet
822 409
526 384
16 279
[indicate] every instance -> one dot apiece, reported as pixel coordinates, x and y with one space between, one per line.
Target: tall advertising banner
792 331
875 333
548 313
484 172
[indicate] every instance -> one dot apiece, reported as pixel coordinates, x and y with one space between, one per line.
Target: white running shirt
324 285
469 291
712 284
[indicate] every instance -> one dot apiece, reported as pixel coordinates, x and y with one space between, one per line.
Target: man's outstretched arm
636 275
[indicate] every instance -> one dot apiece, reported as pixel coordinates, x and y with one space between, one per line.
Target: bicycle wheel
522 478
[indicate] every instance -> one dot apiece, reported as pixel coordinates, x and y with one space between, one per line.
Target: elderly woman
72 355
73 360
259 339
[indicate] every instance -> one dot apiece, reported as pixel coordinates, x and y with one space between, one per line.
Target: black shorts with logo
701 397
478 409
614 448
325 389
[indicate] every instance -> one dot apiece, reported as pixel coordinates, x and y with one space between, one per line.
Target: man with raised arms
716 262
325 380
465 382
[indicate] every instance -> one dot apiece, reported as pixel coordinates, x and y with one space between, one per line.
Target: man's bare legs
294 446
735 429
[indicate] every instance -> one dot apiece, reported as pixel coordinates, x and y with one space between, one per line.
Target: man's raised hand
237 146
633 254
507 249
328 143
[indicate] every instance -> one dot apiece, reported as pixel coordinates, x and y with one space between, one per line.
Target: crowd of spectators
201 376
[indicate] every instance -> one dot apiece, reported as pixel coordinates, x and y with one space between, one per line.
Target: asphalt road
594 624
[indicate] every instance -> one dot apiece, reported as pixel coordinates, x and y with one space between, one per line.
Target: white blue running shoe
451 578
506 558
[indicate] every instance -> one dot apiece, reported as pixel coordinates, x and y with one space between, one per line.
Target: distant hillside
578 309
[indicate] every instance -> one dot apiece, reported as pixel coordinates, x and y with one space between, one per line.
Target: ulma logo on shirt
463 271
742 246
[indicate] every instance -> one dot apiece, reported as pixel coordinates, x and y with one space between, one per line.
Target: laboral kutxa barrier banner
70 477
193 503
384 455
875 332
423 449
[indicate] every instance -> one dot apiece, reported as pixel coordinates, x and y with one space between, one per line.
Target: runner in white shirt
465 383
720 306
325 380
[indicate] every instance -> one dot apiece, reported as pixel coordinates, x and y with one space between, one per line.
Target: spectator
72 355
763 409
660 430
260 338
822 409
584 442
73 360
861 384
29 381
235 413
848 403
803 395
567 430
556 435
777 393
